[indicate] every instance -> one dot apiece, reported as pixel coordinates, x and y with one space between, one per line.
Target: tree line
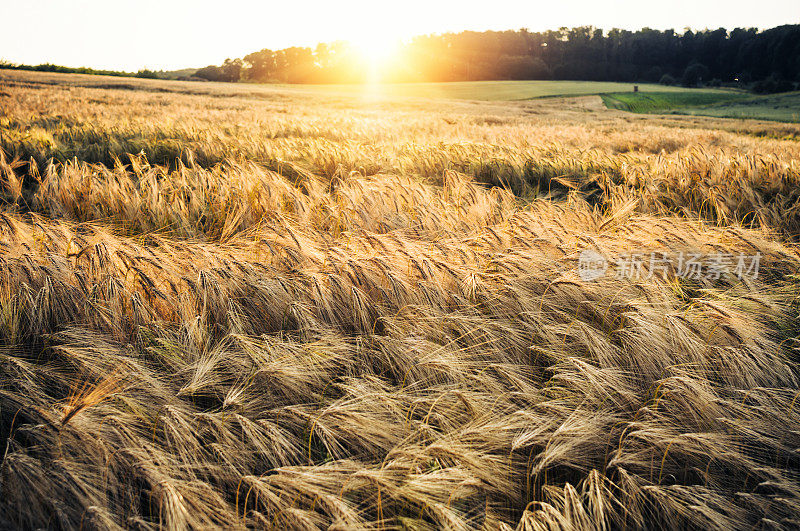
142 73
767 60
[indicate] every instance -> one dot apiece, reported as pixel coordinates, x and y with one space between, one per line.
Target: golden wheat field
249 307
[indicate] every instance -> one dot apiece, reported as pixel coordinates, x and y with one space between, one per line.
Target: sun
377 49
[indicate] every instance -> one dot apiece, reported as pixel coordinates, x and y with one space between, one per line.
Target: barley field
244 307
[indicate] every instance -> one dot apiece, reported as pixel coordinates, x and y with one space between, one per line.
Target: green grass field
719 104
779 107
466 90
663 101
501 90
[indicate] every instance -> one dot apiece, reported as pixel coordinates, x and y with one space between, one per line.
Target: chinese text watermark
689 265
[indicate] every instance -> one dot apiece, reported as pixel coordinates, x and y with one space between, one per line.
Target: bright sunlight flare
377 49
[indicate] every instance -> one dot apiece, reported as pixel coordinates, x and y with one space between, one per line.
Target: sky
172 34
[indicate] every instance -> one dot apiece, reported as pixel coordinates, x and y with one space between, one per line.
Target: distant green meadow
777 107
720 104
650 98
659 102
500 90
458 90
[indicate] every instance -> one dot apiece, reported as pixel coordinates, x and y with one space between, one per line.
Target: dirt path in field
590 103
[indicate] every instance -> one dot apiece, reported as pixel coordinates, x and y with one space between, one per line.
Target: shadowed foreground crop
320 312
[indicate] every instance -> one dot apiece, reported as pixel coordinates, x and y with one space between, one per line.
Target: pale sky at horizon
164 34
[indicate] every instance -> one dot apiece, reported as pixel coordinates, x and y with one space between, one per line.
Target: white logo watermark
593 265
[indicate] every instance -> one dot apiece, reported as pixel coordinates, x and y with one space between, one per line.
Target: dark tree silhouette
765 60
694 74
